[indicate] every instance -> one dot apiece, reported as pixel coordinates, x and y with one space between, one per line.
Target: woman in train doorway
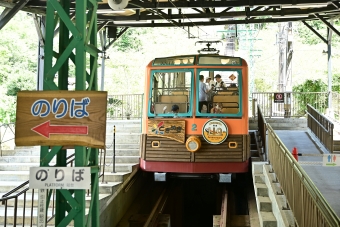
203 94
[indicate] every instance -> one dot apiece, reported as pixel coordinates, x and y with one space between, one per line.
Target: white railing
295 103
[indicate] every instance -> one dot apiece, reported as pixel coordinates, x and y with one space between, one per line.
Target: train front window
221 93
170 93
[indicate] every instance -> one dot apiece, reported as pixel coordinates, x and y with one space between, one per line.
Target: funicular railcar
193 141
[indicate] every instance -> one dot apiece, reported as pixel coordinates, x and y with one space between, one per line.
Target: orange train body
224 145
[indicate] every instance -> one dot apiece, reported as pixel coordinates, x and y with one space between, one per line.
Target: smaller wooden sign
61 118
167 128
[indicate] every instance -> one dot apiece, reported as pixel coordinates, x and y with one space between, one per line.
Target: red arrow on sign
45 129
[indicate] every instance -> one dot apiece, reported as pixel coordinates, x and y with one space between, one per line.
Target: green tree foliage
262 85
336 82
308 37
7 108
320 102
15 83
18 62
311 86
19 82
22 53
130 40
114 104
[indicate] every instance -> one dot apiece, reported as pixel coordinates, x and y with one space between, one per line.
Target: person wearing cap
219 82
202 93
174 110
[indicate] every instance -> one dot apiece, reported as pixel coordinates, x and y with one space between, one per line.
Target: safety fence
120 107
336 105
294 104
7 134
287 104
321 126
309 207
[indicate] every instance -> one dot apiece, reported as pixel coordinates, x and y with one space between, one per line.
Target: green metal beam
77 49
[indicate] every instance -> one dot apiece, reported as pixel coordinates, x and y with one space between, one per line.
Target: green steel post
48 49
63 43
80 48
61 205
93 85
80 62
94 189
77 40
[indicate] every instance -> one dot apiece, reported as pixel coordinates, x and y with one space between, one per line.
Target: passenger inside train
224 97
174 87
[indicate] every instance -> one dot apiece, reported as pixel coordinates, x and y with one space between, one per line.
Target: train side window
170 87
223 97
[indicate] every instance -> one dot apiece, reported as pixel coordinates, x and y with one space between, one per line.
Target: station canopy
190 13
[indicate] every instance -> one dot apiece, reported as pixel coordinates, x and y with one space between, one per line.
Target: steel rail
224 210
157 209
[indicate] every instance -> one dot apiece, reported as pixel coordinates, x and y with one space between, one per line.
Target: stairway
15 164
271 203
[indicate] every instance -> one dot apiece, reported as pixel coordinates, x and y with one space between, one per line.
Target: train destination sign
61 118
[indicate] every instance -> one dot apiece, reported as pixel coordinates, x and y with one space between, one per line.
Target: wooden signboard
171 129
61 118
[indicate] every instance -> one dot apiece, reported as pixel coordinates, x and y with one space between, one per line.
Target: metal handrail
302 195
102 175
15 189
321 127
6 197
71 159
261 124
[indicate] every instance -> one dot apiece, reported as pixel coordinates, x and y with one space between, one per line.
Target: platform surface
326 179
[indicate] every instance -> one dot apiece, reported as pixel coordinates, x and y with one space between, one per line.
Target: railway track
192 203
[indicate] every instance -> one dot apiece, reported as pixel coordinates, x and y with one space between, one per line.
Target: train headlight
193 144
